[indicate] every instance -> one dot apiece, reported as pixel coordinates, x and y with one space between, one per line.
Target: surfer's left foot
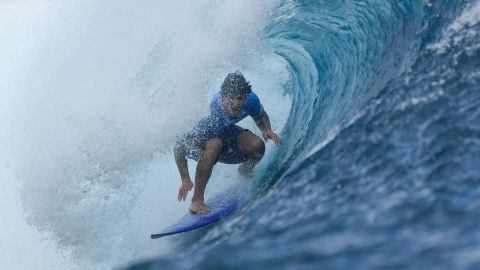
246 169
199 207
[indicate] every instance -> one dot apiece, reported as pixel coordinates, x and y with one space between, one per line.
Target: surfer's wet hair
235 86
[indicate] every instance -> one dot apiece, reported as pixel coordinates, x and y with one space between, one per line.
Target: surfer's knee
256 149
260 146
251 145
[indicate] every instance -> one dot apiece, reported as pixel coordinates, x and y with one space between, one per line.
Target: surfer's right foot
199 207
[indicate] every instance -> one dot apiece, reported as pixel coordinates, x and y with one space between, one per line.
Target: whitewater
377 103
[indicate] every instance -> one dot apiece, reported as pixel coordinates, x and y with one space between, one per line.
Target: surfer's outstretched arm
263 122
181 160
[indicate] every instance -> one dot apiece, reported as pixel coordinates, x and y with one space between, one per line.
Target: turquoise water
380 165
377 103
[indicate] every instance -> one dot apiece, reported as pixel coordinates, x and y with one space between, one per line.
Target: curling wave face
380 163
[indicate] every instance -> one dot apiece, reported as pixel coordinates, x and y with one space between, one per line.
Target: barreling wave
340 55
379 166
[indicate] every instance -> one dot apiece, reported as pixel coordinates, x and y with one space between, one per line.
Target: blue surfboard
220 206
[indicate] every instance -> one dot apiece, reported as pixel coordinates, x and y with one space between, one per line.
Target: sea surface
380 167
377 103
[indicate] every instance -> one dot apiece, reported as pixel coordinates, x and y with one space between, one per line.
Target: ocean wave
380 167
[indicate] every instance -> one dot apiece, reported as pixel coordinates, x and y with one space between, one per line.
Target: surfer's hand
272 136
184 189
199 207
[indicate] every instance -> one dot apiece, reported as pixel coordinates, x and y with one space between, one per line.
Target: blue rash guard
220 124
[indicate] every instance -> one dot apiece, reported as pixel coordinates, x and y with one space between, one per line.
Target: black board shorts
230 153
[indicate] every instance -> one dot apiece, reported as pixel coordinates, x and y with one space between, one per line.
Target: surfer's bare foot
246 169
199 207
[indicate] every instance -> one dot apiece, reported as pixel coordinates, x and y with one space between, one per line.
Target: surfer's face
234 105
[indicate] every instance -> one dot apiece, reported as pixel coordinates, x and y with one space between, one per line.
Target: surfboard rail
221 205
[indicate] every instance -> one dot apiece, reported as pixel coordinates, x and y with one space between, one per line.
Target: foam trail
94 97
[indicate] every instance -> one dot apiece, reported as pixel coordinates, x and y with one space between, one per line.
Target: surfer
216 138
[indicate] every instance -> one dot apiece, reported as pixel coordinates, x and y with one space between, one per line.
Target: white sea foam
93 95
463 27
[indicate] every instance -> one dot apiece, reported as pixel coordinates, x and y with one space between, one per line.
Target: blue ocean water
380 167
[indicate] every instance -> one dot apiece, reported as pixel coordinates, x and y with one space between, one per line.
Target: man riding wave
217 138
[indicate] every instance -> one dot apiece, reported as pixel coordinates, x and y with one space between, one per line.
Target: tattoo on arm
263 122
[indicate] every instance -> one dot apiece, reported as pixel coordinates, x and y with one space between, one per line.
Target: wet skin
249 144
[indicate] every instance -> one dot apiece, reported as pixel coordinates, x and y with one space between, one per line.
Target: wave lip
378 169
